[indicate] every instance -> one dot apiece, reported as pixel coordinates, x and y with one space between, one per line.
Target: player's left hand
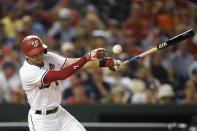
99 53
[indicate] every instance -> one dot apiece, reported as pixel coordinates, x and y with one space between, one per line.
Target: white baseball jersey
42 96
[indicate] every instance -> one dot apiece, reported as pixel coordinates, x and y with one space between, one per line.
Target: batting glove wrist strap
102 63
107 62
85 58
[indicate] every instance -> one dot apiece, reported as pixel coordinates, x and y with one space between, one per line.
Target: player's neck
33 63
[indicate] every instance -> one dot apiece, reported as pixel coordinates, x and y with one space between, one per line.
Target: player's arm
105 62
88 65
65 72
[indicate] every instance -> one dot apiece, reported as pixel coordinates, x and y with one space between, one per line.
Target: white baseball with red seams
117 49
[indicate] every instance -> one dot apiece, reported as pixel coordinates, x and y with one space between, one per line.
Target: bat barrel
181 37
185 35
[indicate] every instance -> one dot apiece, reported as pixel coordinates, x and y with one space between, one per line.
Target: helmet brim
37 50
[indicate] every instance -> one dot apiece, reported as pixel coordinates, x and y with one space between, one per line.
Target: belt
46 112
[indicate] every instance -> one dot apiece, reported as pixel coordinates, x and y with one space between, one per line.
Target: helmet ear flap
45 51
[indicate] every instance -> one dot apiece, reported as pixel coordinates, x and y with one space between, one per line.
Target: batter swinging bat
172 41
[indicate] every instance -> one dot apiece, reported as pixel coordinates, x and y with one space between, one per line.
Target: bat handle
131 59
141 55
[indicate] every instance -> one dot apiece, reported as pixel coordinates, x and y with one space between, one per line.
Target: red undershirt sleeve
62 74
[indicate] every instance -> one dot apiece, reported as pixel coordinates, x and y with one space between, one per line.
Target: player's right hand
98 53
118 65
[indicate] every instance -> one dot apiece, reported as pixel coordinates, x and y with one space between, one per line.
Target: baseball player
41 74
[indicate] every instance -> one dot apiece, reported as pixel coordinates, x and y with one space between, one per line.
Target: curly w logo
35 43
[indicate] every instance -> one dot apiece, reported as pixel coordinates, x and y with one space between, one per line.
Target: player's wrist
106 62
114 65
87 57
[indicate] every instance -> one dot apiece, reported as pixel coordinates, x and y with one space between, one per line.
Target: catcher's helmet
32 45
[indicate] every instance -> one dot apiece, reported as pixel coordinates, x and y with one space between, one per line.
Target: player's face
37 59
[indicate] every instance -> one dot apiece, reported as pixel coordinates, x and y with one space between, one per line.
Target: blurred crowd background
73 27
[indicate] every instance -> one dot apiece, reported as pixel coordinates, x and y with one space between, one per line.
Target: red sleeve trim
64 63
43 76
65 72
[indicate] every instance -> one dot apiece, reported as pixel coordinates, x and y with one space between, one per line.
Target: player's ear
26 57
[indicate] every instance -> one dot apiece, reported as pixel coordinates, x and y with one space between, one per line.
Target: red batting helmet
32 45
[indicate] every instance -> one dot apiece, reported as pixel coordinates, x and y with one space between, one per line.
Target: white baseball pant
59 121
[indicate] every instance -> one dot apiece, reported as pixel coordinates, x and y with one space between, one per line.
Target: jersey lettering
43 86
52 66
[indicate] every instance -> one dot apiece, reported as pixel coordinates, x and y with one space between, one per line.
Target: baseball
117 49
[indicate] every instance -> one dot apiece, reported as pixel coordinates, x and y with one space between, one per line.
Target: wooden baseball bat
185 35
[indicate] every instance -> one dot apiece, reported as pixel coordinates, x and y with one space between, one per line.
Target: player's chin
39 62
